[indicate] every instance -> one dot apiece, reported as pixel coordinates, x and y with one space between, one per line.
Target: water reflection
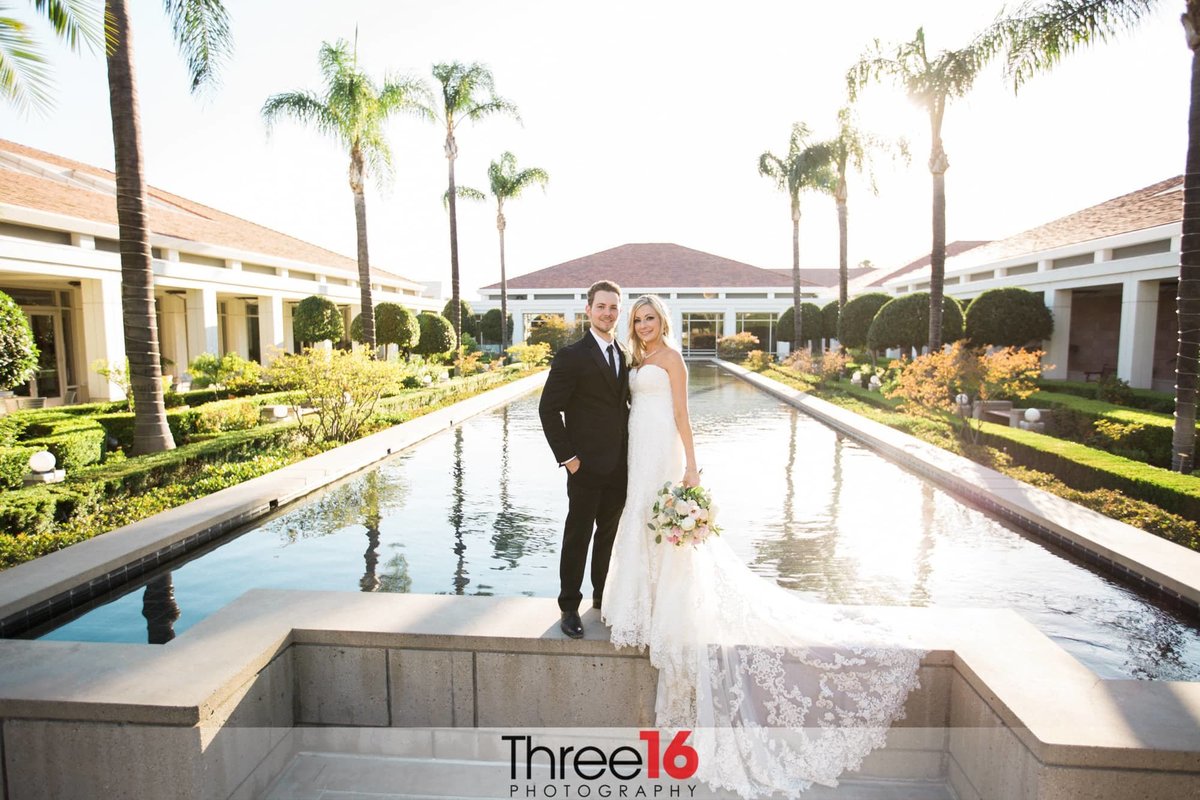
160 609
479 510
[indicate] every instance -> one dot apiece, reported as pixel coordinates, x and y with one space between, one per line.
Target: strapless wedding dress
780 692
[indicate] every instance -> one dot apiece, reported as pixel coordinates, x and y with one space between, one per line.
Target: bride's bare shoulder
672 360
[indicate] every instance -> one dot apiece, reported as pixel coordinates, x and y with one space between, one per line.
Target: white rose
682 507
688 523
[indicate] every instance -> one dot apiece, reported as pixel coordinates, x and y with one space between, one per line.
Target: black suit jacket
585 407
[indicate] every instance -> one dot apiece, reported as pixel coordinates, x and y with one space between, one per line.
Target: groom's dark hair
603 286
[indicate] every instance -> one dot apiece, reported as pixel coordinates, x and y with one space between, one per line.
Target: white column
1139 312
729 323
677 326
271 337
239 341
518 325
202 322
103 334
1058 346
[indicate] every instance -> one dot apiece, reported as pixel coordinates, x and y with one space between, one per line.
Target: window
253 345
1143 249
700 332
202 261
761 325
982 276
1073 261
697 295
555 296
747 295
258 268
1023 269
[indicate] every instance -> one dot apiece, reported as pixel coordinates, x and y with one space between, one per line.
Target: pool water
479 510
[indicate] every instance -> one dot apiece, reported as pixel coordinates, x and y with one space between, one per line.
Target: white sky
649 116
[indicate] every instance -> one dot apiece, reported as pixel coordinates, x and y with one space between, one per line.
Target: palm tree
1036 37
353 109
852 148
507 184
806 166
468 93
24 79
930 84
201 30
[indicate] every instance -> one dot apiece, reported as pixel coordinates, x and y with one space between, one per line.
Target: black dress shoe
571 624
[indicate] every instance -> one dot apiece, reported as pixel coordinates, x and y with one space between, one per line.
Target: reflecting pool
479 509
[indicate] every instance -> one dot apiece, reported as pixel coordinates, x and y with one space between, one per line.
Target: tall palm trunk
456 310
364 259
938 164
150 431
503 280
797 341
843 267
1183 442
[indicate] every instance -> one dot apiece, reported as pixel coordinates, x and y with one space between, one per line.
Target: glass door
47 334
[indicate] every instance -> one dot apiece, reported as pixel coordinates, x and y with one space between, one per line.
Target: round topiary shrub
437 335
904 322
468 322
394 324
316 319
1011 317
489 326
18 352
811 324
829 320
856 318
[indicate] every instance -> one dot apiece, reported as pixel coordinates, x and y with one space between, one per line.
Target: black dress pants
595 503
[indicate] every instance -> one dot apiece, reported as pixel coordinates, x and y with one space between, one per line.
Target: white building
709 296
221 284
1109 274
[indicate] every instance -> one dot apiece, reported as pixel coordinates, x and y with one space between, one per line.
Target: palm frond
201 29
508 182
469 92
74 21
24 78
406 94
304 107
1038 34
463 193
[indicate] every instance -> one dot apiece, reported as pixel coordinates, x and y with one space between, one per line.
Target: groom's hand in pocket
572 465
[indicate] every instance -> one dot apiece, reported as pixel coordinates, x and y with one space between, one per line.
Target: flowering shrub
931 382
227 415
736 347
683 515
828 366
757 360
341 387
230 372
531 355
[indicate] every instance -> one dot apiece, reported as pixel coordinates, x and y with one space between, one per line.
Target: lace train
780 693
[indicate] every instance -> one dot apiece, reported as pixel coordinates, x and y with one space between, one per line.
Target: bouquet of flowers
683 515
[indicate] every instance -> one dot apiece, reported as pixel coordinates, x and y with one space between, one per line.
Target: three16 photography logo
644 770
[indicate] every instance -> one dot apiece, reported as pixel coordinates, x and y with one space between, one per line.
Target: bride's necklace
647 356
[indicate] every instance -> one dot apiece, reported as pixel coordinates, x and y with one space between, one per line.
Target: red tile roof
881 275
1158 204
63 191
823 276
649 266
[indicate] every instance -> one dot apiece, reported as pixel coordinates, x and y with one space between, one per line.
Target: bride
780 692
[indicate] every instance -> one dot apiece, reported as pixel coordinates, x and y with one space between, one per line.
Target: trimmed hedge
14 465
1087 468
1146 399
36 509
811 323
1137 434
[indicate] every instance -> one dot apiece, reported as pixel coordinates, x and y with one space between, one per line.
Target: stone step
341 776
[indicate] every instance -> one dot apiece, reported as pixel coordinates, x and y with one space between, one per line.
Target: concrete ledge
41 588
998 698
1164 566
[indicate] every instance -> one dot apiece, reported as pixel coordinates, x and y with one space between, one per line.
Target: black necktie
612 364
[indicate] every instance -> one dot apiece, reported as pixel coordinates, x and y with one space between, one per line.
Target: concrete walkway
1164 567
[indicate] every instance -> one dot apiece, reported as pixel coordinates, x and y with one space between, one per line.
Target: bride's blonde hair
636 347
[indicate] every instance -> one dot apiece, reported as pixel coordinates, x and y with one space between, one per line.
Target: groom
585 415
